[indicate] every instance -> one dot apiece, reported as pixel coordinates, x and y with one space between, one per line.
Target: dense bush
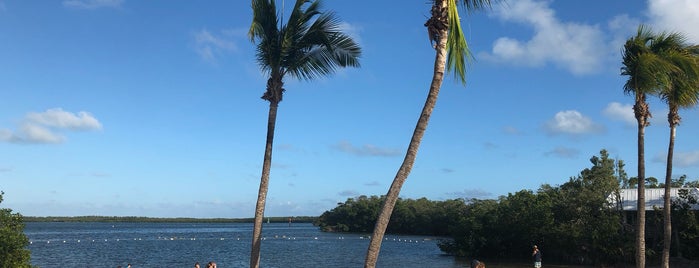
13 242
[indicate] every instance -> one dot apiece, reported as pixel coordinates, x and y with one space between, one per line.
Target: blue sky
152 108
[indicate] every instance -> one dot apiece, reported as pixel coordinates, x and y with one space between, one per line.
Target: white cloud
675 15
42 127
62 119
365 150
351 30
579 48
92 4
620 112
209 45
571 122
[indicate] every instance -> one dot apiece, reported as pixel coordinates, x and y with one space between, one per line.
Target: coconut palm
681 92
647 73
310 45
444 30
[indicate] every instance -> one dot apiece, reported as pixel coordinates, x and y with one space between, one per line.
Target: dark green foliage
573 223
421 216
13 242
685 224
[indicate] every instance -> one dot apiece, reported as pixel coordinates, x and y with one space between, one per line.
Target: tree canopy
13 242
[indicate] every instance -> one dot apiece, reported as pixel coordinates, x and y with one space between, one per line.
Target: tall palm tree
451 52
681 92
310 45
647 73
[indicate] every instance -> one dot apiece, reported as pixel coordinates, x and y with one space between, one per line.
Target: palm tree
681 92
444 30
310 45
647 73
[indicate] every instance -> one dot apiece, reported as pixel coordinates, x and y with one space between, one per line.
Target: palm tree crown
309 46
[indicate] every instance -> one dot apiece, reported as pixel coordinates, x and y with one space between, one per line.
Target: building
654 198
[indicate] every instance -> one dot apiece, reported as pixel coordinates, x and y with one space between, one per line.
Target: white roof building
654 197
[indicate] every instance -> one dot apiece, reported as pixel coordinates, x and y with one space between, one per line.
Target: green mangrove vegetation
577 222
13 241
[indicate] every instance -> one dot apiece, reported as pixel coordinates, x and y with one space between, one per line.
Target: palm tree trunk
411 153
667 209
264 185
641 202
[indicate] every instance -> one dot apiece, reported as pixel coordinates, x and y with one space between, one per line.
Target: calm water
182 244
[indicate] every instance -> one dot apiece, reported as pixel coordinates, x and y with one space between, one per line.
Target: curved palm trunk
411 153
642 115
673 118
264 185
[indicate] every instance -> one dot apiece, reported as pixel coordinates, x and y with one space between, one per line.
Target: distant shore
301 219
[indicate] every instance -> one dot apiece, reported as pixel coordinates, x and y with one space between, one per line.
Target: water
61 244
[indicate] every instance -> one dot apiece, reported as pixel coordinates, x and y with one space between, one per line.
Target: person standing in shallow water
536 255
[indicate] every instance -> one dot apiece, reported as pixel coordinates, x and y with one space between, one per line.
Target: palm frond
458 54
308 46
473 5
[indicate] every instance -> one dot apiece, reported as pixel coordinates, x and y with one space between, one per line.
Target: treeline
576 222
304 219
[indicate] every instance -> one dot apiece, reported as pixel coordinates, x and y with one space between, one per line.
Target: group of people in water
208 265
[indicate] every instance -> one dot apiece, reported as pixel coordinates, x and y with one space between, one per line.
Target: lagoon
98 244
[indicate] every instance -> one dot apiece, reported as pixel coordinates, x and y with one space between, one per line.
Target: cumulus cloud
92 4
620 112
563 152
365 150
578 48
572 122
44 127
209 45
675 15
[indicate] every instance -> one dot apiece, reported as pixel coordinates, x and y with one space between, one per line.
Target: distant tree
651 182
452 54
691 184
623 178
681 91
310 45
13 242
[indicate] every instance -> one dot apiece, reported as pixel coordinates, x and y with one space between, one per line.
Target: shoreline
138 219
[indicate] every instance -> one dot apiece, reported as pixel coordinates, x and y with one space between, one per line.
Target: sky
153 108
